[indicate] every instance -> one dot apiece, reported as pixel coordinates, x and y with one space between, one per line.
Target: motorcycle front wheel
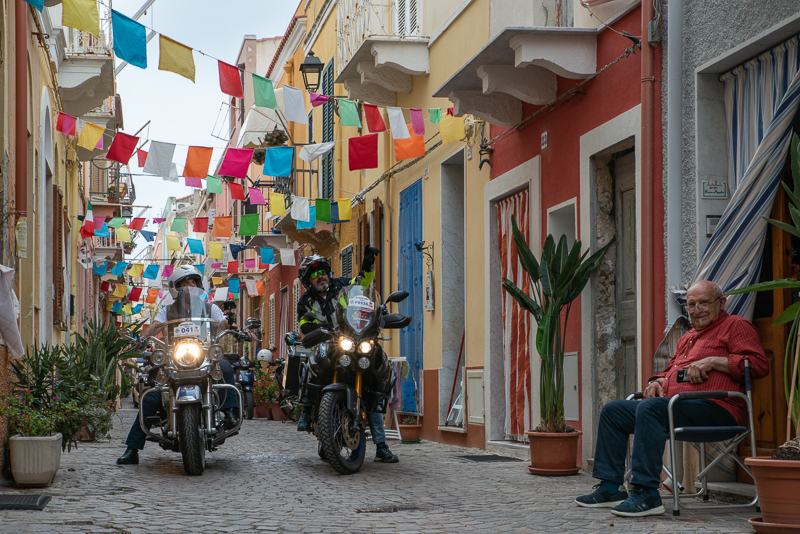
193 450
249 404
343 449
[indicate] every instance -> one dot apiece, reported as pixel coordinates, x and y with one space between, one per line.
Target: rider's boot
229 417
384 455
131 457
304 424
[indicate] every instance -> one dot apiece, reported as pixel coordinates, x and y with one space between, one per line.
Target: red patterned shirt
727 335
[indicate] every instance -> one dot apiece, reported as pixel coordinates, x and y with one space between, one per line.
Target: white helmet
264 355
182 273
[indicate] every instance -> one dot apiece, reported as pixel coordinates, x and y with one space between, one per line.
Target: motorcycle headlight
364 347
363 362
158 357
346 344
188 354
216 352
345 361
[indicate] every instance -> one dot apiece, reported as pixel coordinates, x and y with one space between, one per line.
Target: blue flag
195 246
102 232
38 4
119 268
312 219
235 250
151 273
278 161
202 268
100 268
267 256
117 308
130 40
137 308
147 235
233 285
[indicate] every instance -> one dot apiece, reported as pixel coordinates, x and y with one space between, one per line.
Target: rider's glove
368 263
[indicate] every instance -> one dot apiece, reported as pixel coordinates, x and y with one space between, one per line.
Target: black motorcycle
348 375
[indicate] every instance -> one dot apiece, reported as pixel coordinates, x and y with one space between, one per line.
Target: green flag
249 224
349 113
213 184
178 225
264 93
435 114
116 222
323 210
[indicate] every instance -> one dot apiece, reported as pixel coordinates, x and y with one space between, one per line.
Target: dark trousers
648 421
151 405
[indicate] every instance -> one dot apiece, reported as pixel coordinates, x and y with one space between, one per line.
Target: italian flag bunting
87 230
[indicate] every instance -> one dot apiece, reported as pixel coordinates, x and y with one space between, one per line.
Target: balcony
265 236
110 186
108 248
380 46
107 115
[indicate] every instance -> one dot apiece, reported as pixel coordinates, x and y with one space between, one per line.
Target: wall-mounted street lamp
311 69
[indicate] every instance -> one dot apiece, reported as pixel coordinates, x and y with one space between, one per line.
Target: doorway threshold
509 448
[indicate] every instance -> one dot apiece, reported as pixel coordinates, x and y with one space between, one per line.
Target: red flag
134 294
104 285
136 224
142 155
374 120
66 124
362 152
200 225
233 267
122 148
237 192
230 81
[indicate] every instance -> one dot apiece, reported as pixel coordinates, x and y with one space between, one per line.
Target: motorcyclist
322 288
186 277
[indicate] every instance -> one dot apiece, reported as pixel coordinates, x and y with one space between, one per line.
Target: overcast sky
180 111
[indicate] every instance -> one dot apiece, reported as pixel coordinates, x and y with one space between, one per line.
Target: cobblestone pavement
269 478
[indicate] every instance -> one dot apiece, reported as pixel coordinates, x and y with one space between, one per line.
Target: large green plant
791 314
556 281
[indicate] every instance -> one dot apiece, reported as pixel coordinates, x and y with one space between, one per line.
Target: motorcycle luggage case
291 372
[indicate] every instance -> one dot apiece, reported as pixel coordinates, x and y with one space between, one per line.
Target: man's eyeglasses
701 306
317 274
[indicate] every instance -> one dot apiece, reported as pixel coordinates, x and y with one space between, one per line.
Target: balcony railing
107 109
86 44
109 184
108 242
359 20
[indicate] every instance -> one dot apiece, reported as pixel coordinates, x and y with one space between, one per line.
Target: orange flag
222 227
413 147
152 295
197 161
260 287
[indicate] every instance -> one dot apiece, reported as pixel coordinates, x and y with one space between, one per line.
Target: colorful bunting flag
267 255
135 293
104 285
152 295
452 129
167 271
233 267
235 250
195 246
250 263
99 145
216 265
127 309
248 224
345 209
87 228
413 147
100 268
66 124
311 152
194 182
312 219
149 236
278 161
398 123
136 309
234 285
251 287
175 57
277 204
136 270
81 15
178 225
255 195
260 287
90 136
435 115
222 227
221 294
213 184
264 92
300 210
119 268
38 4
348 112
362 152
237 192
317 99
130 40
173 243
216 280
294 107
124 235
230 81
116 222
200 225
121 290
374 120
417 121
323 210
103 231
151 273
236 162
287 257
136 224
200 267
159 220
116 308
159 159
198 159
142 157
215 251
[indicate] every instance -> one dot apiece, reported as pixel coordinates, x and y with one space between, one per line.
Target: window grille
272 321
298 290
326 187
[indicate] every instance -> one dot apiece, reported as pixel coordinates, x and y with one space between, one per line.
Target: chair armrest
700 395
639 395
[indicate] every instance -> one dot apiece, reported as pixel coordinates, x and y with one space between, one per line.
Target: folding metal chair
729 436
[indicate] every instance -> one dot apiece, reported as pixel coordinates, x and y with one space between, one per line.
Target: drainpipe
21 124
648 289
674 150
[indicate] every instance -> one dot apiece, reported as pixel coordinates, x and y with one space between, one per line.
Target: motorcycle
288 374
348 374
188 379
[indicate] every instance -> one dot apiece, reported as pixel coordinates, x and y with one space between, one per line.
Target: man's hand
368 263
654 389
697 372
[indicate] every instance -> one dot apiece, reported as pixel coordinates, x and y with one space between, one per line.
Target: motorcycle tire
333 418
193 450
249 404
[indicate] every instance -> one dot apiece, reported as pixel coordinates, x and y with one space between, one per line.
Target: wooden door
410 279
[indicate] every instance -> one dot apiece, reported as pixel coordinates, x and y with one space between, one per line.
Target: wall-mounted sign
429 292
715 189
545 139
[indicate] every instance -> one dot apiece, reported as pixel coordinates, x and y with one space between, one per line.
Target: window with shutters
58 255
408 17
311 127
298 290
326 166
347 261
272 321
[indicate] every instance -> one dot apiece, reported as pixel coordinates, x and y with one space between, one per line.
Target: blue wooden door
411 280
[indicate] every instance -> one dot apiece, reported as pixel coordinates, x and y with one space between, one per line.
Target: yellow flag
109 305
452 129
277 205
121 290
136 270
173 243
123 234
217 280
215 251
176 58
345 209
90 135
81 15
127 309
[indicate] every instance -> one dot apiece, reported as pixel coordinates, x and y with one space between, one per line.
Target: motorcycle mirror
397 296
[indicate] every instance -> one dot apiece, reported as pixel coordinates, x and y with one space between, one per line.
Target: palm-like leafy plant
556 281
792 313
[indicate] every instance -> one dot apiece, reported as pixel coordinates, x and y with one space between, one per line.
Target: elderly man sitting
709 357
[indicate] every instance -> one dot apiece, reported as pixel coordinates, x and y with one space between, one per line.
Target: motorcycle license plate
187 329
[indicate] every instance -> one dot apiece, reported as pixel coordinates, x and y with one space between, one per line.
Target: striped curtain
761 99
516 321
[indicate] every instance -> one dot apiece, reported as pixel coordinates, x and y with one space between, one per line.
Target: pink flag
417 121
236 162
161 293
98 222
317 99
142 155
216 265
237 193
122 148
194 182
99 145
250 263
158 220
66 124
256 197
167 272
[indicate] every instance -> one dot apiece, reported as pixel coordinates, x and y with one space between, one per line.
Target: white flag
311 152
294 106
252 289
300 211
173 174
220 294
397 123
287 256
159 158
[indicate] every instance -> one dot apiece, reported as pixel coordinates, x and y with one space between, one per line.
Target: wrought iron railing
83 43
358 20
108 242
109 184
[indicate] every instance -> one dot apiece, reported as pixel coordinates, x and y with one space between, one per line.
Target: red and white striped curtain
516 321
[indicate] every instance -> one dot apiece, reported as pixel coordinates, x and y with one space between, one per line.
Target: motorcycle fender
352 396
188 395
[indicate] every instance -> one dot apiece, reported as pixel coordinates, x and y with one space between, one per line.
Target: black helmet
312 264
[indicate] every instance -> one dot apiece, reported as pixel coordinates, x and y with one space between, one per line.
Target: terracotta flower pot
277 413
261 412
35 460
410 433
778 487
553 454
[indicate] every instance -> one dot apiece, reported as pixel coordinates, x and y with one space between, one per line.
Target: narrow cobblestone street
270 479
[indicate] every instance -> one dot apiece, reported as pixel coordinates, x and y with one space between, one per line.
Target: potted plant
264 394
410 428
778 478
557 279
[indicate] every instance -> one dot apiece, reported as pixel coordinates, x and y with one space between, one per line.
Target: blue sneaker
601 498
639 504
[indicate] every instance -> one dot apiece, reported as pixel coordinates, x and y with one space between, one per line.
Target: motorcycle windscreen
189 317
357 308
